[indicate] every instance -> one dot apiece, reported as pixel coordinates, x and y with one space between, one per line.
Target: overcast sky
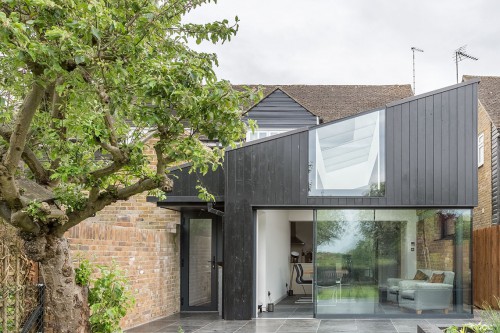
355 41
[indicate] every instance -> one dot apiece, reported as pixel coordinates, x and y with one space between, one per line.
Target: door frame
184 260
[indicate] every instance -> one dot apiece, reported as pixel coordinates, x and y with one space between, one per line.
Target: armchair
423 295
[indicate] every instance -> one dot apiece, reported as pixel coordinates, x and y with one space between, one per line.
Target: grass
352 291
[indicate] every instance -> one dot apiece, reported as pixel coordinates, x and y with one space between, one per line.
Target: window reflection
392 262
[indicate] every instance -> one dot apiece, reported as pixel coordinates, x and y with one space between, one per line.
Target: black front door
201 233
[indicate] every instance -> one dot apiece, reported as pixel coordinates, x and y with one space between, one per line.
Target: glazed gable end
431 144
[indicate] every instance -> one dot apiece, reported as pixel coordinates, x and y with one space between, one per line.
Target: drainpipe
211 209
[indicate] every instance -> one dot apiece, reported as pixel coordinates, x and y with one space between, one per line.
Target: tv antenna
461 54
413 49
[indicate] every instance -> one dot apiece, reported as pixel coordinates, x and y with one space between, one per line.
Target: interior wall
409 235
261 259
304 232
273 255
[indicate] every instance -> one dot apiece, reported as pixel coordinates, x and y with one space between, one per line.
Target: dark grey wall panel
278 110
453 112
438 148
445 141
396 174
420 148
405 154
413 167
185 183
431 148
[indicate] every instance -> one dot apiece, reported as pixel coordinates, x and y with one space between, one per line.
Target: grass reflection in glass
354 292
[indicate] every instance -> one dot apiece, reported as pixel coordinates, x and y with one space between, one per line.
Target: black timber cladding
185 183
431 149
278 110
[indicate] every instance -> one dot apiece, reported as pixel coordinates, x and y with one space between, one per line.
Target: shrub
109 298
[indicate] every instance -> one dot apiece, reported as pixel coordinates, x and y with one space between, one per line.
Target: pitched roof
331 102
489 95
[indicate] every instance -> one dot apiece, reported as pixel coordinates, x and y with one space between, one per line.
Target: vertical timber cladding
431 149
185 182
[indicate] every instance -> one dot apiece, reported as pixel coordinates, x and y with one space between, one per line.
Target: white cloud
354 42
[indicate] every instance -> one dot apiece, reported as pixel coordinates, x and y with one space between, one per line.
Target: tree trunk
66 304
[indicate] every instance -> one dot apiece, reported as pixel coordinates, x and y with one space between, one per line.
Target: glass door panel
199 262
392 262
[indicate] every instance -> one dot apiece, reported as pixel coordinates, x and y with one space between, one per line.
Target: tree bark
66 304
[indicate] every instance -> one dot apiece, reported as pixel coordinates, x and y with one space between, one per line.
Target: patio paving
208 322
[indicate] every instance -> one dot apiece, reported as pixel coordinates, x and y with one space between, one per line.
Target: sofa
421 295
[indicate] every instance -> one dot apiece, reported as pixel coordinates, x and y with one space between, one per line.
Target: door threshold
286 318
206 311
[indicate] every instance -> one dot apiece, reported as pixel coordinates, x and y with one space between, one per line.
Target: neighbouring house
487 214
145 239
375 204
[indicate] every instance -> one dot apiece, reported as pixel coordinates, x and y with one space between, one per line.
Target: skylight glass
347 157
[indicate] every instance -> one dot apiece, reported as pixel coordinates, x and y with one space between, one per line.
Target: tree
83 82
331 226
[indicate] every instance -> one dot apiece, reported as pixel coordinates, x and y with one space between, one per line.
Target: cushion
437 278
421 276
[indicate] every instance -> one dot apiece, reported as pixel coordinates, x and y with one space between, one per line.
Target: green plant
471 327
455 329
35 210
479 328
83 272
109 300
492 316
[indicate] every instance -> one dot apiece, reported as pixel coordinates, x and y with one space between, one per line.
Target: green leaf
79 59
95 32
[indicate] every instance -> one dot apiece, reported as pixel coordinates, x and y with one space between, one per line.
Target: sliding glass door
392 262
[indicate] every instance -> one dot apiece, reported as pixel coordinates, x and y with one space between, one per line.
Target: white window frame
480 150
264 133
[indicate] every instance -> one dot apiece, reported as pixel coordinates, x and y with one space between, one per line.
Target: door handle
213 262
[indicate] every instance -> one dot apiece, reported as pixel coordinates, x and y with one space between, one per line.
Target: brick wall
438 254
144 242
433 252
483 212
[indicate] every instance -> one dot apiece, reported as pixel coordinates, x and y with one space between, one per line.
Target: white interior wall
273 255
261 258
300 215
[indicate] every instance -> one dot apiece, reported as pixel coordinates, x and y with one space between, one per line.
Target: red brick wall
483 212
144 241
433 252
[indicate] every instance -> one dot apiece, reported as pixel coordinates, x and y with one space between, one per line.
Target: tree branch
21 127
103 95
42 175
8 189
106 171
117 153
19 219
112 195
23 221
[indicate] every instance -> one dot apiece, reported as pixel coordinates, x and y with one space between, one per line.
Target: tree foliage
84 83
331 226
